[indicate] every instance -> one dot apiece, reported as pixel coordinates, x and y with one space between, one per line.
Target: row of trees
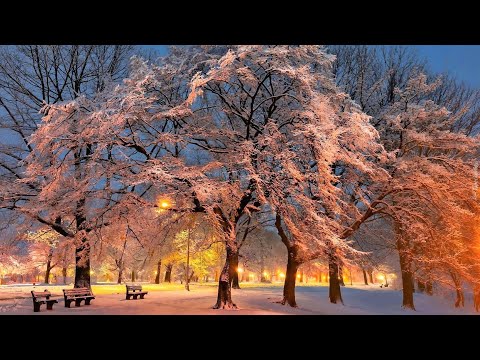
328 151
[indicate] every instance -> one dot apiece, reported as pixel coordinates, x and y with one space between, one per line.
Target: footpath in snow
252 300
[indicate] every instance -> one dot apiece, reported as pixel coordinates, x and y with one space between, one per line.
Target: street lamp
164 204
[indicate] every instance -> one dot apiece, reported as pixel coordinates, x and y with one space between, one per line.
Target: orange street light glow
298 276
282 275
265 273
240 270
380 277
164 204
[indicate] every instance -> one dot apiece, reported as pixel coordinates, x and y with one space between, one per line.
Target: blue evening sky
461 60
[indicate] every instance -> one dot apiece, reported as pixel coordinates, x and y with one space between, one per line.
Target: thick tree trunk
403 249
301 276
82 250
334 291
476 297
157 277
460 300
224 297
340 275
234 265
216 275
290 279
421 286
82 265
407 278
120 275
365 280
168 273
370 275
49 267
64 274
429 288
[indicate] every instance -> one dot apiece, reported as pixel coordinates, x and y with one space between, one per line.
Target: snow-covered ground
252 299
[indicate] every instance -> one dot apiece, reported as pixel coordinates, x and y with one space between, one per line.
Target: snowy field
254 299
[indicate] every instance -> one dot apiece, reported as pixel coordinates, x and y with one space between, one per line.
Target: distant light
265 273
282 275
91 272
164 204
299 276
380 277
240 270
156 272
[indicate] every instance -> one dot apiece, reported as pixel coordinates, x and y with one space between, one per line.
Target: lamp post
187 280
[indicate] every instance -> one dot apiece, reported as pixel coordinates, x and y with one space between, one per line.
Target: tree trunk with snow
49 266
334 291
82 265
290 278
340 275
224 297
429 288
82 250
234 264
365 280
168 273
406 270
157 276
421 286
476 297
292 265
120 275
460 299
370 275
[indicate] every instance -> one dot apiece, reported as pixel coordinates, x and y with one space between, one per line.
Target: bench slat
77 292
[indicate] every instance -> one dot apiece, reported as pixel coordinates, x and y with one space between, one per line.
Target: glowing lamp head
240 270
91 272
265 273
298 276
380 277
164 204
282 275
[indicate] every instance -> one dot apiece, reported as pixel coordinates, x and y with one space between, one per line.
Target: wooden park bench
77 295
37 295
135 290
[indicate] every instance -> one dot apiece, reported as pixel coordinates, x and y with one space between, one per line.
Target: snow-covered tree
30 77
431 172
